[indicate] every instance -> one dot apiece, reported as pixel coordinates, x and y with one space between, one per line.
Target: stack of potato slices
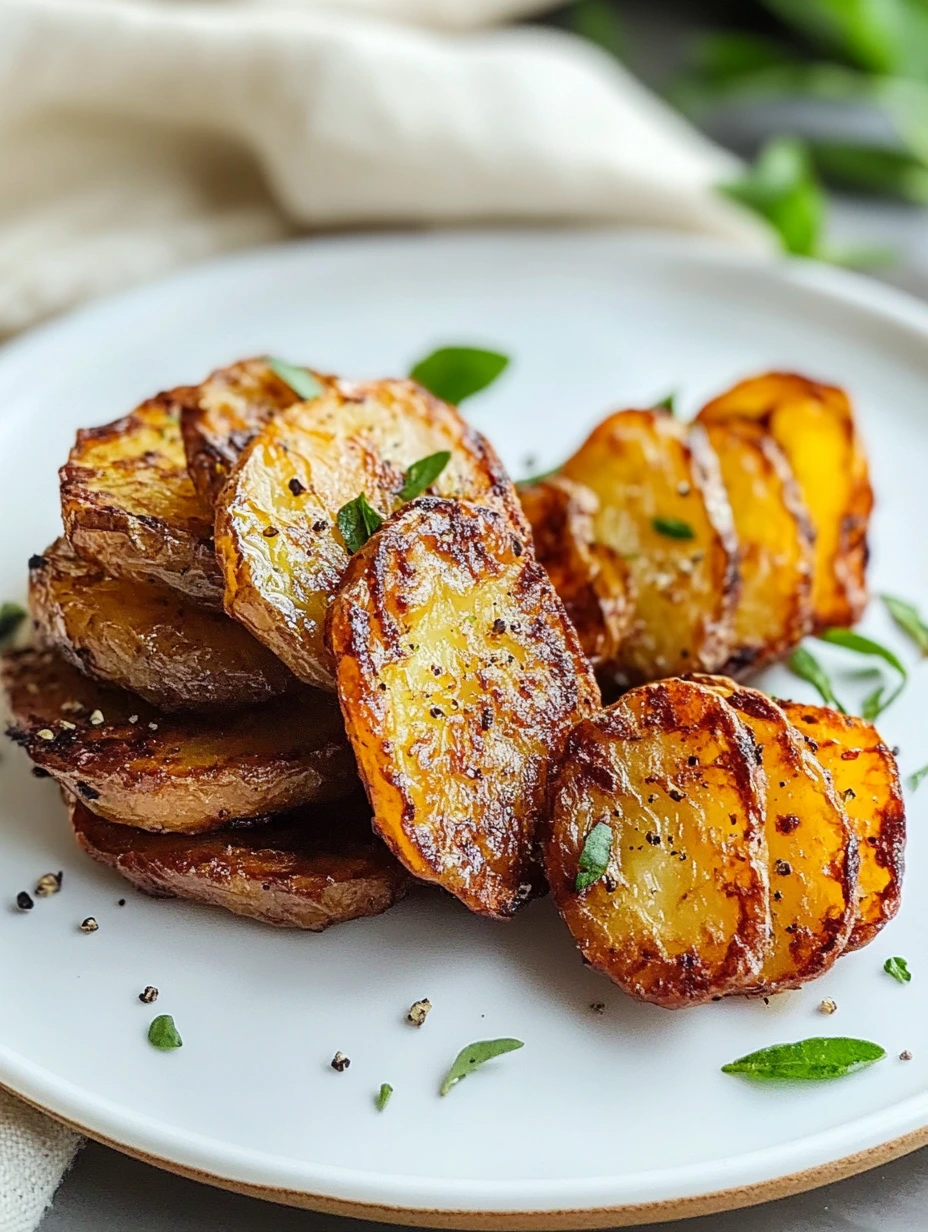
278 587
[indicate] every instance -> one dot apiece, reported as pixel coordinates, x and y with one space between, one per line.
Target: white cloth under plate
35 1152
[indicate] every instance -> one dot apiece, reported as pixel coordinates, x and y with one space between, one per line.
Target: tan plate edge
536 1221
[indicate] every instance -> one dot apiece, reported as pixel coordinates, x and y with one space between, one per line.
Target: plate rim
906 314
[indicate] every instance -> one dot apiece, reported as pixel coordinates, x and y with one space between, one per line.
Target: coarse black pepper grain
24 901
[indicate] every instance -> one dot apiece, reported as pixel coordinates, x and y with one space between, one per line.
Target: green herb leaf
383 1096
881 36
357 521
667 404
875 703
898 968
456 373
781 187
422 474
673 528
598 21
918 777
473 1056
163 1034
808 1059
908 618
805 665
303 383
11 617
883 170
594 858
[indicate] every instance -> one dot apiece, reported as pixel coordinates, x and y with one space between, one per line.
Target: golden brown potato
310 869
810 843
148 639
459 676
681 913
776 545
591 579
132 764
128 504
867 781
220 416
277 536
663 510
814 426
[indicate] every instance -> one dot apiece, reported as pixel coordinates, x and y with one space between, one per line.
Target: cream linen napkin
135 137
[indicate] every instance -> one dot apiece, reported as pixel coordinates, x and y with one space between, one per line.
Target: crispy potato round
277 536
814 426
459 676
310 869
147 638
681 912
129 506
811 846
220 416
591 579
867 780
132 764
776 545
664 512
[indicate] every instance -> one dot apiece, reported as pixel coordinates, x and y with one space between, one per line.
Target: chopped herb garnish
422 474
805 665
357 521
898 968
456 373
907 617
918 777
163 1034
874 704
473 1056
667 404
673 528
383 1096
594 858
808 1059
11 617
303 383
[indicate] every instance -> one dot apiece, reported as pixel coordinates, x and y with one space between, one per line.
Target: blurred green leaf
881 36
872 168
859 256
781 187
598 21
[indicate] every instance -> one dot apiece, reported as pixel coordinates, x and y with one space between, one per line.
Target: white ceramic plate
599 1120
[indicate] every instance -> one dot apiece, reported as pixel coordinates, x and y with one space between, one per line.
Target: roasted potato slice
459 676
591 579
277 536
130 763
810 843
681 913
814 426
147 638
776 545
867 781
129 506
664 512
220 416
310 869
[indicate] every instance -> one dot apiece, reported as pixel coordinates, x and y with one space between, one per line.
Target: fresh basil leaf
473 1056
163 1033
673 528
383 1096
667 404
881 36
782 188
357 521
11 617
303 383
805 665
883 170
918 777
908 618
594 858
597 21
808 1059
898 968
456 373
876 702
422 474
